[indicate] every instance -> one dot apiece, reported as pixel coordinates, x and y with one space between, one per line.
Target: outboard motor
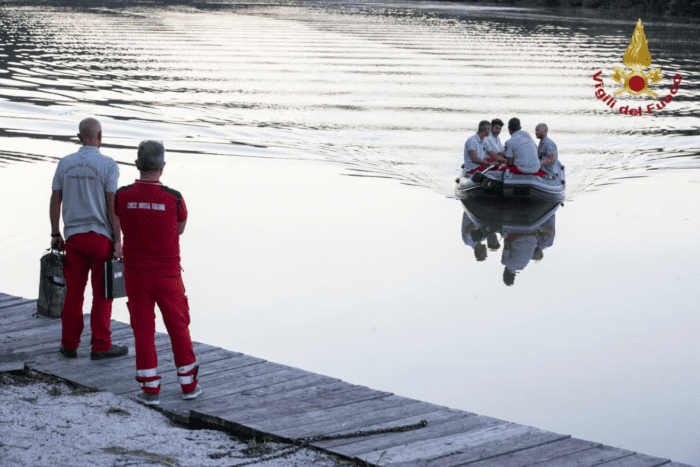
478 177
489 184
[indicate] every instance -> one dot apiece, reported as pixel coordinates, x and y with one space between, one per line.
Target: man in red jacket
152 218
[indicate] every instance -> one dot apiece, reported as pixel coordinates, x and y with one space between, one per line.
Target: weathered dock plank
12 361
171 389
537 454
437 415
245 379
262 398
105 372
19 312
345 418
440 424
6 305
43 333
14 324
209 370
638 460
14 301
499 439
247 409
589 457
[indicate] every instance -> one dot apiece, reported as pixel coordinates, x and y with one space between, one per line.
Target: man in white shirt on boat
474 151
547 151
494 148
521 149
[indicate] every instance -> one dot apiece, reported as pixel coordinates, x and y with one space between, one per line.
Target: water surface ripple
392 90
262 105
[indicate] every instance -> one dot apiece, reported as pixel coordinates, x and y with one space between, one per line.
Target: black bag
114 279
52 285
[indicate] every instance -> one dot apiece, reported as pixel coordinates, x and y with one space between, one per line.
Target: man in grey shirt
474 153
547 151
85 183
521 149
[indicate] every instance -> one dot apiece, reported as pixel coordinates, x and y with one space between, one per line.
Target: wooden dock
259 398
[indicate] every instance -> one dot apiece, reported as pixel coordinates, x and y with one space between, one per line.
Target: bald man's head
90 132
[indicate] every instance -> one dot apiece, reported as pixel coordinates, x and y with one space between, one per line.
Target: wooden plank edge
419 453
514 451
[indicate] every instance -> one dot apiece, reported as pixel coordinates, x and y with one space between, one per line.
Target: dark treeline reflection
524 230
673 9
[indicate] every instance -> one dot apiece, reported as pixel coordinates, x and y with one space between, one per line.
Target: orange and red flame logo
635 82
637 58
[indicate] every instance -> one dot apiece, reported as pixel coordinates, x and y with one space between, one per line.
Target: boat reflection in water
525 228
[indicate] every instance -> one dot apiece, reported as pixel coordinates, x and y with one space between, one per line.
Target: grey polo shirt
84 177
522 148
474 143
545 148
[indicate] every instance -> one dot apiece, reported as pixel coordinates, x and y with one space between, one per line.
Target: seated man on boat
494 148
547 151
521 150
474 153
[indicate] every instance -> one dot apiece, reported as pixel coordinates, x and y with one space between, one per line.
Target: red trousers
144 290
86 253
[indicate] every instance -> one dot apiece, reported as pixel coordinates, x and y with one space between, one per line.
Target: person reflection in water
467 228
519 249
492 242
545 239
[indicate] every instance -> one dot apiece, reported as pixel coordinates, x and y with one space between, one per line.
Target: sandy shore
44 421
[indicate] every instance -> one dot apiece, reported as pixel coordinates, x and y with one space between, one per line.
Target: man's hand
57 243
118 253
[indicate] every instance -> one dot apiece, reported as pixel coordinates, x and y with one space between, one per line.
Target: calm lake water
317 144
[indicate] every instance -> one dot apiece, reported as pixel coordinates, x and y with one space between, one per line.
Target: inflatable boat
509 185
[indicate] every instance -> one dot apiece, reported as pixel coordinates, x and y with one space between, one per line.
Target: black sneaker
68 353
115 351
148 399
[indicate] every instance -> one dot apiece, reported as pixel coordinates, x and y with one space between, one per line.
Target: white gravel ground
42 424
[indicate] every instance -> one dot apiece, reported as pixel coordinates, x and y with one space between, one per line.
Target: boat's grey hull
508 185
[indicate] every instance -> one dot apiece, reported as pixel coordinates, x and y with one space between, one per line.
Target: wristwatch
57 234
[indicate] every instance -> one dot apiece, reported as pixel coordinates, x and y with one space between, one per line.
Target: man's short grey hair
483 125
543 126
151 155
89 127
